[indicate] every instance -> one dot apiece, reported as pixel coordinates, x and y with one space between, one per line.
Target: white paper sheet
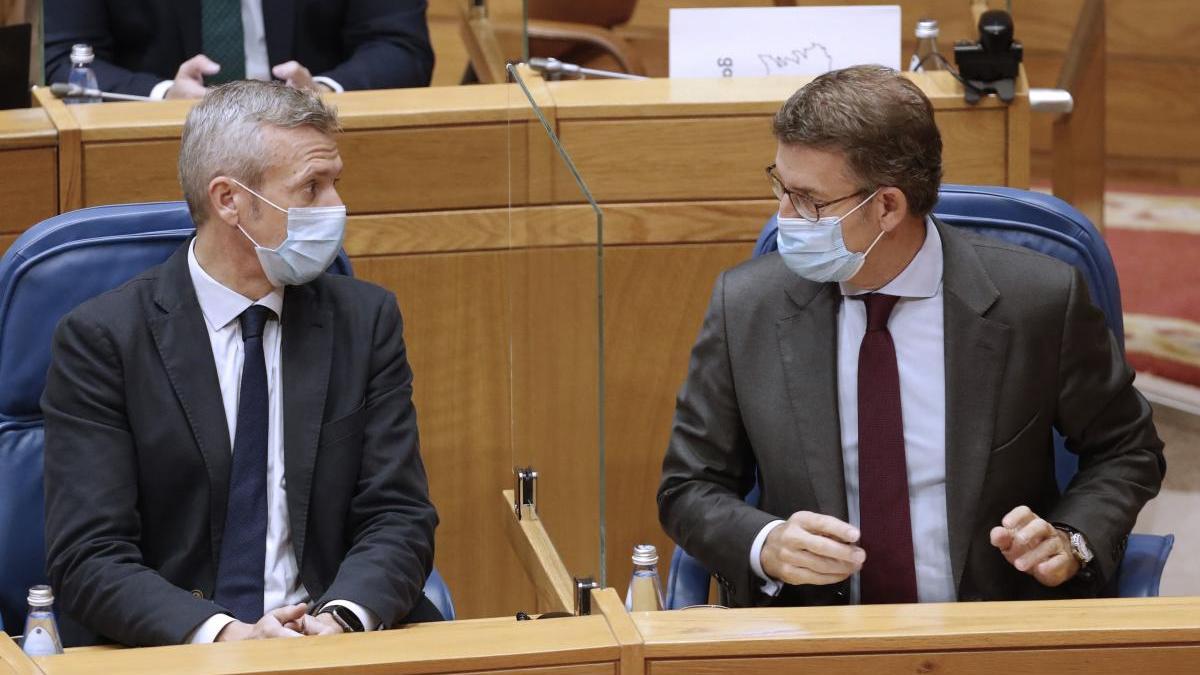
762 41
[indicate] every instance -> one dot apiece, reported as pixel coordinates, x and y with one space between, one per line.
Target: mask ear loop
881 232
273 204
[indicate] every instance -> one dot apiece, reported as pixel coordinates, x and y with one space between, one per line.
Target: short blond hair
222 135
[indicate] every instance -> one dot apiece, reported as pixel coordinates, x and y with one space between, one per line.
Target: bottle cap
645 554
82 54
41 596
927 28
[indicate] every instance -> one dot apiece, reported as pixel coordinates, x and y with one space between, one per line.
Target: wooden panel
974 149
6 240
139 171
457 334
654 302
658 160
390 170
27 128
28 190
1111 622
1098 661
433 168
486 645
12 659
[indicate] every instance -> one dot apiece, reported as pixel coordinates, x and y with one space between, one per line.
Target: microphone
556 69
63 90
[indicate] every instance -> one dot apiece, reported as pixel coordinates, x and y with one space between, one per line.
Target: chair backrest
1036 221
51 268
603 13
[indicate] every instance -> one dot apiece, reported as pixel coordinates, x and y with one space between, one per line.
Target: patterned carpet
1155 243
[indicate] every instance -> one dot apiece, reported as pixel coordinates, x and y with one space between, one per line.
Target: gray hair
221 136
880 120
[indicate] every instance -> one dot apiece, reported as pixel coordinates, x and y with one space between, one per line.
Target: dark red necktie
889 574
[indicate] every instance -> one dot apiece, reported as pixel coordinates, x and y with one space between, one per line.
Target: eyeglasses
806 207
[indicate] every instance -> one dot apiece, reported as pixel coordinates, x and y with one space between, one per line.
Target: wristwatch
344 617
1079 546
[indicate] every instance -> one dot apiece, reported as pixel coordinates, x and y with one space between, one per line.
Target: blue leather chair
50 269
1045 224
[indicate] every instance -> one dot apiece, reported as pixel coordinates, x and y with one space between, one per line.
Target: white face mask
817 251
314 237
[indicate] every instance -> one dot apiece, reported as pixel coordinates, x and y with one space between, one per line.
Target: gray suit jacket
138 457
1026 352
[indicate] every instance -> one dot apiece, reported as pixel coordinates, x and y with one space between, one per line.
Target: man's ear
892 208
223 200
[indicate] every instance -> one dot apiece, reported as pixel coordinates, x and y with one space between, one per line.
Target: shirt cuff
159 92
368 619
332 84
208 631
770 586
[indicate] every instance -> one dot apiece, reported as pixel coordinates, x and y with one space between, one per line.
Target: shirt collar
220 304
923 276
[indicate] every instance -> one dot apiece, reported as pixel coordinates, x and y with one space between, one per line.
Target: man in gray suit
892 385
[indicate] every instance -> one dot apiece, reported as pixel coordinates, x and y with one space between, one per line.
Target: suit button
198 594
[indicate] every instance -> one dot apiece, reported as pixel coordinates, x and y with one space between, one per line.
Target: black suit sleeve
391 518
69 22
709 465
1108 424
91 481
388 46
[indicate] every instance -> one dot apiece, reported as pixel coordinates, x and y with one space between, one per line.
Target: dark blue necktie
244 544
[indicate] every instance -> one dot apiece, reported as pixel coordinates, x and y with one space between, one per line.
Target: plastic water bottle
927 58
41 628
645 590
82 75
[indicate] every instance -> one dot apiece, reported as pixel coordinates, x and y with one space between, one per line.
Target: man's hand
811 548
321 624
270 626
189 81
1035 547
295 75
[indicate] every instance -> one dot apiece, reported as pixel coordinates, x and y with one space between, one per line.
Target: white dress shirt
221 308
918 331
254 41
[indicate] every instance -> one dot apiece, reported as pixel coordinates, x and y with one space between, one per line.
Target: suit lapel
191 39
279 18
307 355
808 348
976 351
181 337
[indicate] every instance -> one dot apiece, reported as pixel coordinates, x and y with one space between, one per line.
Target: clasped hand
189 79
289 621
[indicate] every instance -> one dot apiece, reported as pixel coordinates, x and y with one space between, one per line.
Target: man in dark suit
174 48
892 385
231 444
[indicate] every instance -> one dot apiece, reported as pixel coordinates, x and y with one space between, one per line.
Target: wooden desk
502 323
1154 635
28 171
568 646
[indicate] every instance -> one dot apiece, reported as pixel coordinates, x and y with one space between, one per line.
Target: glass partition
554 277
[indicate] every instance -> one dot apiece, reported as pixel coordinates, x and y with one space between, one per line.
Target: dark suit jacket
138 456
361 44
1026 353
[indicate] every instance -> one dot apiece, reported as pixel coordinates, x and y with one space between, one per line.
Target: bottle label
39 642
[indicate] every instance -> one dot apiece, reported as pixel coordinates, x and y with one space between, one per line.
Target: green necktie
221 33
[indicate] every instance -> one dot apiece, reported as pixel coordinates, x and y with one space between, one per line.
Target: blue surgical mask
314 237
817 251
